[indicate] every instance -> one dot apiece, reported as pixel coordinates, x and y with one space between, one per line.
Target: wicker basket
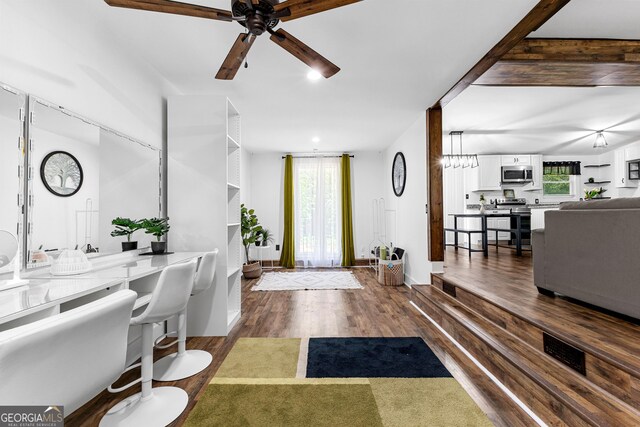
252 271
391 273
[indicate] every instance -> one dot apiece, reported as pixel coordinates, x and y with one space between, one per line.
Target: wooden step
557 394
610 344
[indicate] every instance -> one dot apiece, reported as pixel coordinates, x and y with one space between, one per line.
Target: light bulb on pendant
600 141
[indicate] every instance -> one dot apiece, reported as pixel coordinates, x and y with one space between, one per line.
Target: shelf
233 187
235 224
231 143
232 271
597 182
597 166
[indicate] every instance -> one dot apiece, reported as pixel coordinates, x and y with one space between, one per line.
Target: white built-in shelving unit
204 202
234 239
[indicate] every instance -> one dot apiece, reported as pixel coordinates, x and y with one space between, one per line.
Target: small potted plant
251 231
126 227
157 227
267 237
482 203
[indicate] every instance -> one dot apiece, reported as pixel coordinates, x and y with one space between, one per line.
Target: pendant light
600 141
458 160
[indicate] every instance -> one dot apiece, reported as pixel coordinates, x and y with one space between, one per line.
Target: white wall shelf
206 169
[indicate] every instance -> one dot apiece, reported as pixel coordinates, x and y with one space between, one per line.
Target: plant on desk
158 227
482 202
251 233
126 227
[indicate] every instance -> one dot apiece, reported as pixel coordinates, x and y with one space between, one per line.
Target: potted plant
250 230
482 203
157 227
267 237
126 227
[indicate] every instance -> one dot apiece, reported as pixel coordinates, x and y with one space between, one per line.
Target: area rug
246 392
307 280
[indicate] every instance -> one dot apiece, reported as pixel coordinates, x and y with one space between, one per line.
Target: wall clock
61 173
399 174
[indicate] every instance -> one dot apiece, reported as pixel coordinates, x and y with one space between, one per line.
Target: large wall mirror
83 175
12 107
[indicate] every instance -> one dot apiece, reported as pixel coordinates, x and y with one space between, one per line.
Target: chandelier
458 160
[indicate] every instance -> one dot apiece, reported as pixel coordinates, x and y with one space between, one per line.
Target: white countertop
44 290
40 294
132 268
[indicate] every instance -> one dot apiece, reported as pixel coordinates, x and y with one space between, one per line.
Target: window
559 178
557 185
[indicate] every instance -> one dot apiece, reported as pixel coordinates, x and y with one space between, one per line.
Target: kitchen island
516 229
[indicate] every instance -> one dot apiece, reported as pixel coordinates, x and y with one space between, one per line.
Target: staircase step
556 393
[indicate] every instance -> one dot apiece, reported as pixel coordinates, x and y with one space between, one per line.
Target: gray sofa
590 251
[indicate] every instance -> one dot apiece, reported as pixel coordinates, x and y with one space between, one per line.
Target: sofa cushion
620 203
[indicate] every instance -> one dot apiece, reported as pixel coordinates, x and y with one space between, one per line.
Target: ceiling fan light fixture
314 75
600 141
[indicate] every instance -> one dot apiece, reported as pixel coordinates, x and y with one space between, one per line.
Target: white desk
47 295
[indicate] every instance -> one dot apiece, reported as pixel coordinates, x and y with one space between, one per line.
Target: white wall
245 176
411 223
266 194
50 51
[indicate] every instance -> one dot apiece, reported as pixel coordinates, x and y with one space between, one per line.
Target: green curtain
288 255
348 251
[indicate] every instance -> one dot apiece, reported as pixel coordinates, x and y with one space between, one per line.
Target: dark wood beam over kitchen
540 14
567 62
435 210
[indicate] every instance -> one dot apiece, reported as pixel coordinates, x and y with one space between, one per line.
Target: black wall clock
61 173
399 174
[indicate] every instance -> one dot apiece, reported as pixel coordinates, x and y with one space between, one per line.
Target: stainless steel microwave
517 174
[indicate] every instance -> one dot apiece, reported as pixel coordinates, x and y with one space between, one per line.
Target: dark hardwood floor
373 311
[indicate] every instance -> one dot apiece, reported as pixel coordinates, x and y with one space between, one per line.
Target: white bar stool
186 363
68 358
157 406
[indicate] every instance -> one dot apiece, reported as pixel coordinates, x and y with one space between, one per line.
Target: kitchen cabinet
621 177
516 160
537 217
538 171
487 176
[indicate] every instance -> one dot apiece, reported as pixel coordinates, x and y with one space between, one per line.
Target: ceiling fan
258 17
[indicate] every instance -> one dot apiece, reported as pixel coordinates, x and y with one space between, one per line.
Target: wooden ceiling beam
540 14
575 50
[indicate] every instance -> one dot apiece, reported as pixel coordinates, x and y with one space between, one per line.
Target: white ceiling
397 58
558 120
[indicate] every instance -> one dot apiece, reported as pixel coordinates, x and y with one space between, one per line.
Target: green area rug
256 385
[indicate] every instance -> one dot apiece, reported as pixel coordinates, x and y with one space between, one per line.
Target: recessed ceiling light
313 75
315 139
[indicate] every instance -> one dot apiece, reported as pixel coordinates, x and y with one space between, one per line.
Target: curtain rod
320 157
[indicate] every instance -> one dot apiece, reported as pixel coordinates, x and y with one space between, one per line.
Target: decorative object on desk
267 237
10 260
398 174
61 173
251 232
70 262
593 193
458 160
591 180
126 227
482 203
157 227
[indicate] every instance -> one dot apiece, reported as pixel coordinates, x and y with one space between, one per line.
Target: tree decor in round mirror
61 173
399 174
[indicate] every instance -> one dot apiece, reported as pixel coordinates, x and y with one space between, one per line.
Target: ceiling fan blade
236 55
304 53
173 7
299 8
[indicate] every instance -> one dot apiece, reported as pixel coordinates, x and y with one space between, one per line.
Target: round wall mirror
61 173
8 250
